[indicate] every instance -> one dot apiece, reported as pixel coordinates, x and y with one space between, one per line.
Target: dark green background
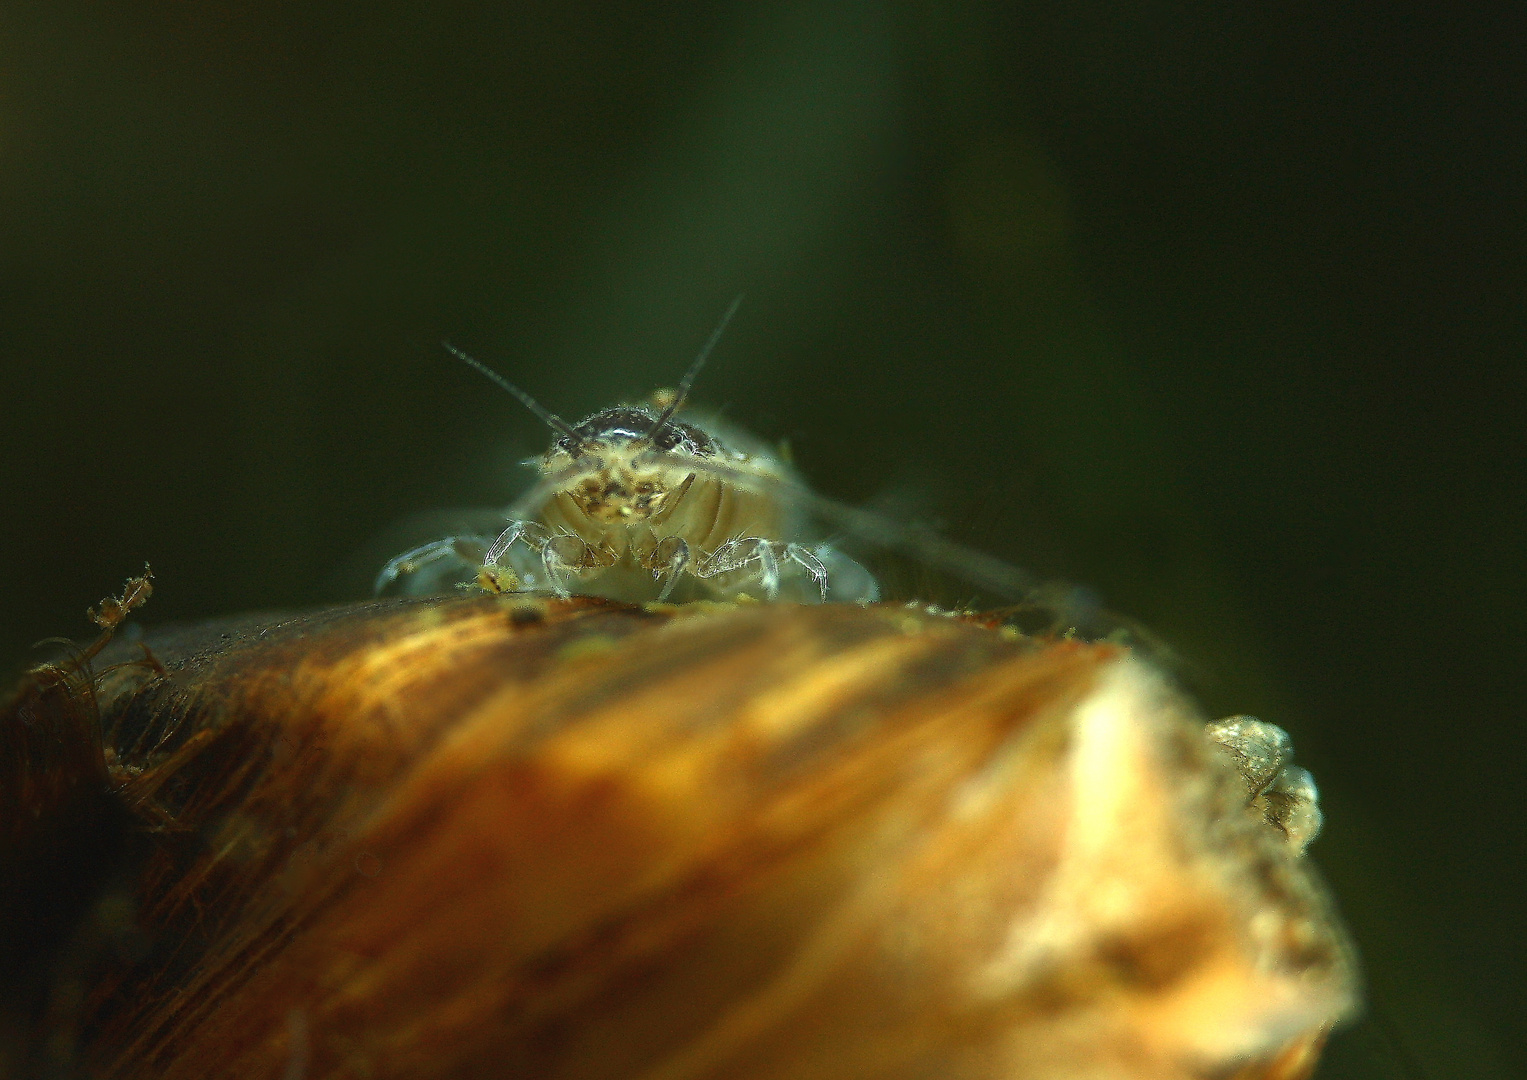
1217 308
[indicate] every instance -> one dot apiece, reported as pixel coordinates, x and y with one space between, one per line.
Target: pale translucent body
624 516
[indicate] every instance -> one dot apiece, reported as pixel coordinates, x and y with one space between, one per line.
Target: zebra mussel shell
580 840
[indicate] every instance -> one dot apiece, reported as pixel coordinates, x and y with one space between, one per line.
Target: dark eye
667 439
565 443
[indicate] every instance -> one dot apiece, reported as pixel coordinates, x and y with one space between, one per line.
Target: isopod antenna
549 418
694 369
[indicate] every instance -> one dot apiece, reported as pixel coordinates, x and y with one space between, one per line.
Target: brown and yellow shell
577 840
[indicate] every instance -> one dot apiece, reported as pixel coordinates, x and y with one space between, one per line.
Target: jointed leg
668 559
497 574
469 550
561 556
517 530
736 554
803 556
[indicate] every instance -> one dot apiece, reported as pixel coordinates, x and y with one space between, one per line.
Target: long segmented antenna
549 418
694 369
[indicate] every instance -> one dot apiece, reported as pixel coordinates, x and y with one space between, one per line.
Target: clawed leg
737 554
805 557
517 530
467 550
496 570
497 575
561 556
527 554
770 558
848 581
667 561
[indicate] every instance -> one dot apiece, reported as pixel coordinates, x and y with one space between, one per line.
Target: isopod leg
505 541
736 554
468 550
667 561
562 556
848 581
803 556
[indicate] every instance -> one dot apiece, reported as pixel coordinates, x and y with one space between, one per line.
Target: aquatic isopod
635 504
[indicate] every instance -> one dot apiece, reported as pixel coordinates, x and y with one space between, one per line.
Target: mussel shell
505 837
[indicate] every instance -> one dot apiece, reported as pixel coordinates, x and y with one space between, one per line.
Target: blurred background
1217 309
